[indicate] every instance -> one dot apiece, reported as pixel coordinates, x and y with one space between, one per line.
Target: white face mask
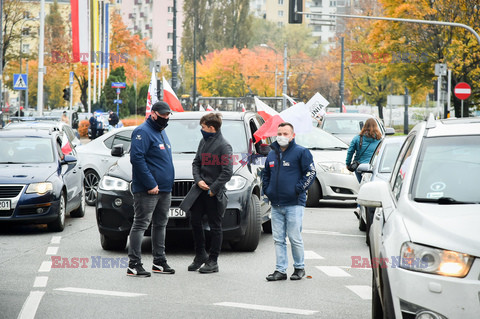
283 140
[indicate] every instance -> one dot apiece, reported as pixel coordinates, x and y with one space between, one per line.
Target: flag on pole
170 97
264 110
289 99
243 108
209 108
80 18
152 94
66 147
344 109
201 109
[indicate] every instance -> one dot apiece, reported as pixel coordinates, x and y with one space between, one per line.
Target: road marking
267 308
364 292
333 271
310 254
40 281
30 306
349 267
55 240
51 251
100 292
46 266
331 233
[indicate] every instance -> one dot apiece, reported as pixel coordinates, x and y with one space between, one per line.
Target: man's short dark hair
286 124
212 119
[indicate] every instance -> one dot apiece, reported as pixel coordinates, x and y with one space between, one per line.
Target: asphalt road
97 285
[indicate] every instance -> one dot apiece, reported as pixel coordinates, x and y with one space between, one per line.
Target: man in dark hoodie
212 168
289 171
152 181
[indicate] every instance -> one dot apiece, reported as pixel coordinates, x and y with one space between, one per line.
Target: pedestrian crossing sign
20 81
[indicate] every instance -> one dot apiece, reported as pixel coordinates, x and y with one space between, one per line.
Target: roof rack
34 118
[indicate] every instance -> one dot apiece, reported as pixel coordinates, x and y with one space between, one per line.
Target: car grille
181 188
10 191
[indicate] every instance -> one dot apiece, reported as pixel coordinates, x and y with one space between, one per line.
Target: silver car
425 238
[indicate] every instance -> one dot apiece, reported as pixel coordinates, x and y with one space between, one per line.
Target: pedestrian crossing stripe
20 82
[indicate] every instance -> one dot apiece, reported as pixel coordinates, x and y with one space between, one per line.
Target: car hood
329 155
347 138
25 173
452 227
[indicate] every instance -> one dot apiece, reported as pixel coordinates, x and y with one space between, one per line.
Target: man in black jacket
212 169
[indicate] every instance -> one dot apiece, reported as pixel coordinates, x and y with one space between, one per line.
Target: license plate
5 204
177 213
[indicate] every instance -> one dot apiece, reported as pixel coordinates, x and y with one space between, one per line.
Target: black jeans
206 205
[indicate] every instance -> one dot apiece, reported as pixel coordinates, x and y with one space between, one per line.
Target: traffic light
66 94
295 6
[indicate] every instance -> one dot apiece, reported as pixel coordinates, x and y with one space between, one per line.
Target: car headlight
109 183
39 188
334 167
435 261
236 183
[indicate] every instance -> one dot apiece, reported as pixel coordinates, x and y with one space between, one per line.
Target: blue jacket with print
151 158
288 174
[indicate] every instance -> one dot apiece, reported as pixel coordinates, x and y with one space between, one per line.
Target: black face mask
162 122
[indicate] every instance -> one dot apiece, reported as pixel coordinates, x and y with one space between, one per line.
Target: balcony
131 15
138 2
148 27
142 15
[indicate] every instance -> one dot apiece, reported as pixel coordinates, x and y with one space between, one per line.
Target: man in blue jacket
289 171
152 182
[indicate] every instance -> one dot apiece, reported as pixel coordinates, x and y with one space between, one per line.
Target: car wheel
267 227
249 241
313 194
361 223
377 311
59 224
112 244
80 211
91 184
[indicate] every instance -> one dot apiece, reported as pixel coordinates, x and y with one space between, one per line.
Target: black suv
247 211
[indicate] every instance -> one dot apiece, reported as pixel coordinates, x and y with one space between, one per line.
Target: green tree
110 94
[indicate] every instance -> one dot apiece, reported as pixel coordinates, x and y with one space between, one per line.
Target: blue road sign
119 84
117 101
71 77
20 81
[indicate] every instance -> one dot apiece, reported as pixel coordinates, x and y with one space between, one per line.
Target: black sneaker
136 270
209 267
276 276
298 274
163 268
197 263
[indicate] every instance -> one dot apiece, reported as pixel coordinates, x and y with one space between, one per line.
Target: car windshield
26 150
319 139
448 170
184 135
389 156
343 125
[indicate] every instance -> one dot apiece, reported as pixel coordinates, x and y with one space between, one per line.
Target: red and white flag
209 108
152 94
170 97
264 110
344 109
66 147
80 22
289 99
243 108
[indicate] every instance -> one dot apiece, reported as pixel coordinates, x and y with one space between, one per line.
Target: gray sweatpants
149 208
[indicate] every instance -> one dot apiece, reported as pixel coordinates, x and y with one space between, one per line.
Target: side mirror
117 150
364 168
389 131
69 159
264 149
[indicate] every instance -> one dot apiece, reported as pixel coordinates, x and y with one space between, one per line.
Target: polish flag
170 97
201 109
264 110
344 109
298 115
209 108
66 147
152 94
80 22
289 99
243 108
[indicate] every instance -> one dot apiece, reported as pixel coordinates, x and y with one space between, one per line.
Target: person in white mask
289 171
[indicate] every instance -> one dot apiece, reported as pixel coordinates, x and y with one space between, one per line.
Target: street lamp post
276 67
285 77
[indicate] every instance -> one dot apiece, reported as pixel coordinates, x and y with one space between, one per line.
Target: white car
96 158
425 234
334 180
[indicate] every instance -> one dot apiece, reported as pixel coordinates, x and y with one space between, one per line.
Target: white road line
267 308
310 254
331 233
31 305
51 251
100 292
46 266
40 282
55 240
333 271
364 292
349 267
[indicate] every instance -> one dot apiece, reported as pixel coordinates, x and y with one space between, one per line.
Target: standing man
289 171
152 182
93 126
112 118
212 169
65 117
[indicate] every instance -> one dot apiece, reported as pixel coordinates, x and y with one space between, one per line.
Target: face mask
206 135
161 121
283 141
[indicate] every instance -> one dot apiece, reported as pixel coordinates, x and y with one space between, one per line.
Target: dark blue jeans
149 208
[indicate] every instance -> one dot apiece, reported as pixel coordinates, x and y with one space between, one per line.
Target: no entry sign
462 90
